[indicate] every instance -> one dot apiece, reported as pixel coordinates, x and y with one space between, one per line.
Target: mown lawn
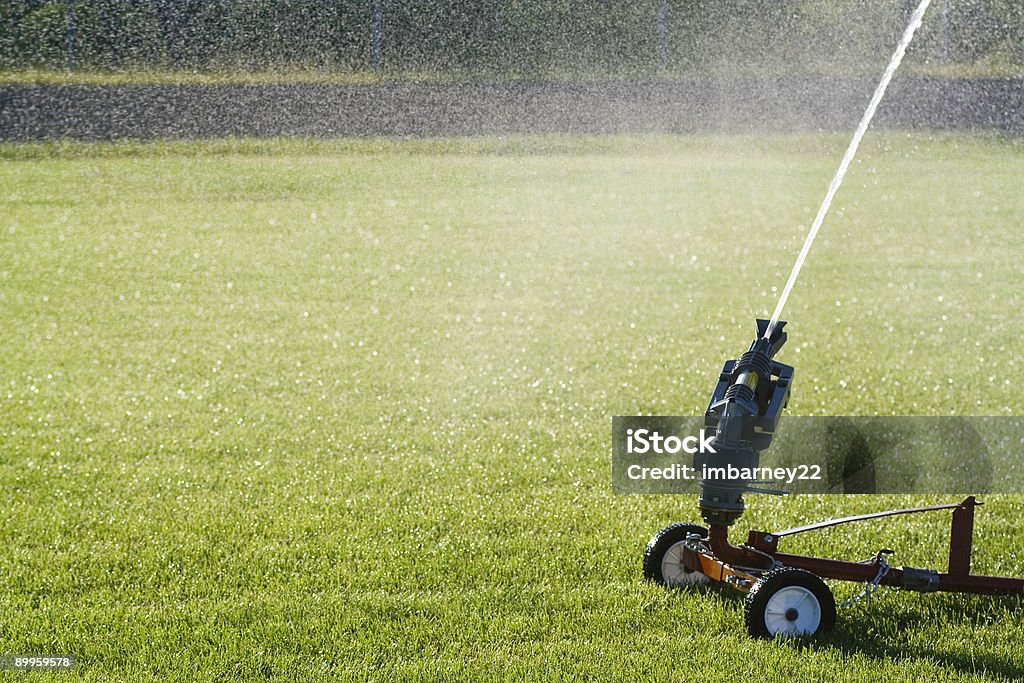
301 410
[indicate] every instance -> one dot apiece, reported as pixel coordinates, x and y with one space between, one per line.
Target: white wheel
792 611
787 602
677 574
663 557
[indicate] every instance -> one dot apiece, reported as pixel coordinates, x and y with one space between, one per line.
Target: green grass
992 68
296 410
146 76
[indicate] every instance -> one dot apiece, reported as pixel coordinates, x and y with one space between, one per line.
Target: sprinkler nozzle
751 393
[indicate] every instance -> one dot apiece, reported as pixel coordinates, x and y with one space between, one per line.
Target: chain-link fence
506 37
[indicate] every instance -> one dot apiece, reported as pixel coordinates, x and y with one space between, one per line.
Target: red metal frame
740 566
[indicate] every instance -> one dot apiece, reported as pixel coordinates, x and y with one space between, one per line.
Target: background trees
497 38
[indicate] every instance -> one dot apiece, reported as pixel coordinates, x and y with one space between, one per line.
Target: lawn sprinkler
785 594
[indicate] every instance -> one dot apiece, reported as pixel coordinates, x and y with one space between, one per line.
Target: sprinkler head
742 413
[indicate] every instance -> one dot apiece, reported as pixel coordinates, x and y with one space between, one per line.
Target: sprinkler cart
785 594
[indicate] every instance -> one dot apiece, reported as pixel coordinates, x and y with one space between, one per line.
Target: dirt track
463 109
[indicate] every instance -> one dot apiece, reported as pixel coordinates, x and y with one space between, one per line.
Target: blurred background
498 39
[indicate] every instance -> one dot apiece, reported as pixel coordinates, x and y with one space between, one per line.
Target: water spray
851 152
786 594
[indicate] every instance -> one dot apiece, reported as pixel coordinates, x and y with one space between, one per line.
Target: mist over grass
319 40
292 409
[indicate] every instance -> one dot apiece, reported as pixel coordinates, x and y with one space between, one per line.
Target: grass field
994 67
295 411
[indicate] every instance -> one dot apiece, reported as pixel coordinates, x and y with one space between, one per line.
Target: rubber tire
661 543
756 605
